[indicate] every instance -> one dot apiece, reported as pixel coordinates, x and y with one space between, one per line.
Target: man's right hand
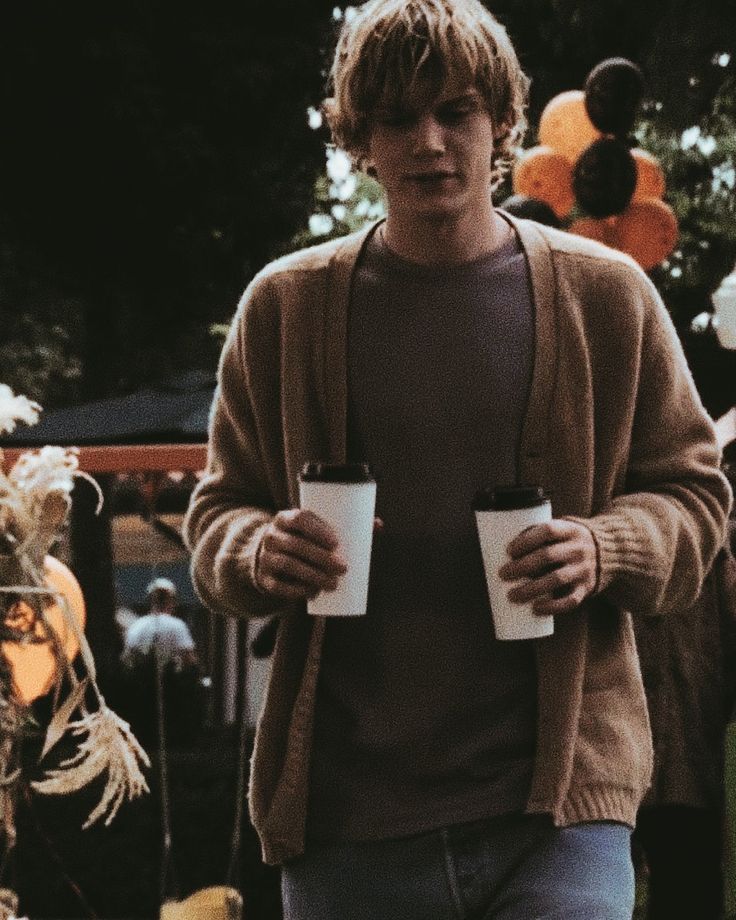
298 556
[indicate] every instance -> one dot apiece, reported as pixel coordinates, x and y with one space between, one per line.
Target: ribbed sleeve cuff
234 568
622 550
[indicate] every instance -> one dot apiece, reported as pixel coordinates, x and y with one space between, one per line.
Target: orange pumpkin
545 175
647 231
650 181
33 664
565 125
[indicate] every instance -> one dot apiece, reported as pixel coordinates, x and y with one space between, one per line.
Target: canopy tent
157 428
153 432
114 458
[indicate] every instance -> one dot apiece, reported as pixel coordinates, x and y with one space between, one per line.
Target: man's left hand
555 565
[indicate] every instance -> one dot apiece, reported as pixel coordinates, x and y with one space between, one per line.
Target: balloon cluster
586 162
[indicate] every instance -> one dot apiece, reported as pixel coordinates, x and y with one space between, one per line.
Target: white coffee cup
501 514
343 495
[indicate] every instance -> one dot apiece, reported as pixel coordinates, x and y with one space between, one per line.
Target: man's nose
429 137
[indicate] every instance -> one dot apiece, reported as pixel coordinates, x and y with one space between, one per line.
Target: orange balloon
650 181
601 229
546 175
647 231
33 664
565 126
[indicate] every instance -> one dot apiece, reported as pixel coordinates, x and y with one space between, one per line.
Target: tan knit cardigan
615 431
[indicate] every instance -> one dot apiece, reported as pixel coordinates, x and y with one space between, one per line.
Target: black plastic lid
509 498
336 472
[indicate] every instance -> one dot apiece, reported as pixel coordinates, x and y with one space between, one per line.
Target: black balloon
604 177
531 208
613 91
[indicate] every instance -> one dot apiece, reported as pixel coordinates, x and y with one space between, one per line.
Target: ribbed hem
592 803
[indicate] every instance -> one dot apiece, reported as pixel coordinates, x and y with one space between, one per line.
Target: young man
408 765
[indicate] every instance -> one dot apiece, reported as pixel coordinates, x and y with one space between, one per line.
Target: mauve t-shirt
424 719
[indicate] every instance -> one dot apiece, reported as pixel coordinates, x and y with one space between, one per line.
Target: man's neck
446 242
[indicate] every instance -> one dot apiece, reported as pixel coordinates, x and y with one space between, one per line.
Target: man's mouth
431 176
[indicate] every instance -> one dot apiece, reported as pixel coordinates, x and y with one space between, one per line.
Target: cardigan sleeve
657 540
234 501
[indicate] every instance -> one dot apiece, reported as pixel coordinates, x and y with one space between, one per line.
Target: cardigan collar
539 258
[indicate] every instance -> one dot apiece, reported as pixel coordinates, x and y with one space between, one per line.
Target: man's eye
454 116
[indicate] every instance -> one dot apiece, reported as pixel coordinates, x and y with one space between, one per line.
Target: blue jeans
517 867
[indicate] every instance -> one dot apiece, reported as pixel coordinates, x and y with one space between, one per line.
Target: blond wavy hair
386 46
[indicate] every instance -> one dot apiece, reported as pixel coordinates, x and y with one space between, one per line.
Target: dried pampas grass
109 746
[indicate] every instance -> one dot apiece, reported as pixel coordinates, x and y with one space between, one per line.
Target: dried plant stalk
34 507
110 745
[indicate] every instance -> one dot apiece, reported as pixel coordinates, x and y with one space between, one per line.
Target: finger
538 561
290 569
538 535
378 525
308 524
289 544
558 581
565 604
285 590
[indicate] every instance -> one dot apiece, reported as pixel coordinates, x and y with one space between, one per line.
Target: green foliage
152 162
345 199
219 331
39 348
700 167
38 360
673 41
560 41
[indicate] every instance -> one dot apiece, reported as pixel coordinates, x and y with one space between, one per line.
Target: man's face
432 155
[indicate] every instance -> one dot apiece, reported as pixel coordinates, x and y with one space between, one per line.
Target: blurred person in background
159 656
